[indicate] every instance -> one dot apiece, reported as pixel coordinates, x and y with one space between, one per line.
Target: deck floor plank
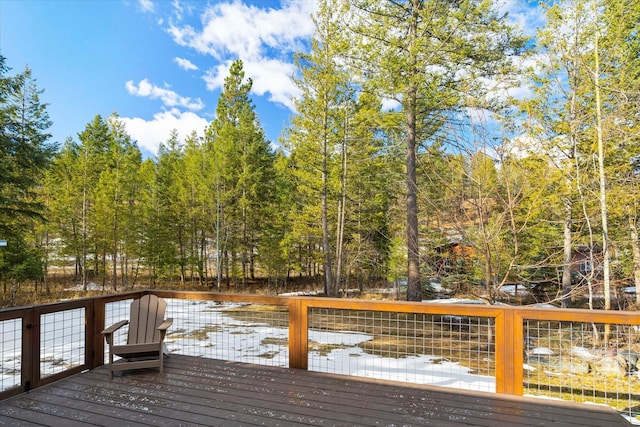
203 392
333 397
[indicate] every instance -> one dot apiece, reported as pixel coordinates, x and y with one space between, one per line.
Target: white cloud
263 38
523 14
146 5
168 97
151 133
246 31
185 64
214 77
269 76
180 9
273 76
390 104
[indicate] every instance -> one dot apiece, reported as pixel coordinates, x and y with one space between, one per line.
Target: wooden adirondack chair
145 342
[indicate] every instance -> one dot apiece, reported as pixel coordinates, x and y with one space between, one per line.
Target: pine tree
242 169
172 211
317 135
25 153
431 57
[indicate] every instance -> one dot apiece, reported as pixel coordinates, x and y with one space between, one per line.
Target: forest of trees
406 161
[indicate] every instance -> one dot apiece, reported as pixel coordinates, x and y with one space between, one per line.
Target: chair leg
165 350
110 364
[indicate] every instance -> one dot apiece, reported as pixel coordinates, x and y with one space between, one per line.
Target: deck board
203 392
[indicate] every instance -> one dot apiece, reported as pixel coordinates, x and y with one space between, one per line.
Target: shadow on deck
196 391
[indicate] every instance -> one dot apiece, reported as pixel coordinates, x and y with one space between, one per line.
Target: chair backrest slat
147 313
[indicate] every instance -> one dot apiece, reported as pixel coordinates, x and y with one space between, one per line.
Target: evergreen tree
432 58
115 193
25 153
241 170
171 211
150 236
95 213
317 133
195 206
370 184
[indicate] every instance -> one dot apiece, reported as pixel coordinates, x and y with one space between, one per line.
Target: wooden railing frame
508 328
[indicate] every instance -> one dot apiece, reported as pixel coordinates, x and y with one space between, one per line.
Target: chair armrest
111 329
165 325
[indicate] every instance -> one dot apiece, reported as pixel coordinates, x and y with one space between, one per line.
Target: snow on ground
90 287
455 301
301 294
514 290
415 369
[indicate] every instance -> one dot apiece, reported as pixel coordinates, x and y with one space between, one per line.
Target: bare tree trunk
218 249
566 265
83 259
603 181
603 185
341 214
329 287
182 256
114 261
414 286
46 265
635 245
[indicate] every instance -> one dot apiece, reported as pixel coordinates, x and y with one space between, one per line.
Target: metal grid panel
62 341
10 353
451 351
113 313
584 362
244 332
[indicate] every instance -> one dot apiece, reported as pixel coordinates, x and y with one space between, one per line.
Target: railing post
509 352
298 333
29 356
32 329
97 340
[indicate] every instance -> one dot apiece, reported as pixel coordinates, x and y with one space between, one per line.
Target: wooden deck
202 392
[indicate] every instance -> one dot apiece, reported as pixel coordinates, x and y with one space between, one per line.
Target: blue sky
160 64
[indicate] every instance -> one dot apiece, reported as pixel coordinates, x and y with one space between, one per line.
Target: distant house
585 262
456 257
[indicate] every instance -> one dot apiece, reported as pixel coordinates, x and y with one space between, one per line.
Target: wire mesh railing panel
115 312
243 332
450 351
584 362
62 341
10 353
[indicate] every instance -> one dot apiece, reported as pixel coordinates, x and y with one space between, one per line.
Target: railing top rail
403 306
74 302
578 315
214 296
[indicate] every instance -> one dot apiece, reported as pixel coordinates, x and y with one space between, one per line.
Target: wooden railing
503 329
31 336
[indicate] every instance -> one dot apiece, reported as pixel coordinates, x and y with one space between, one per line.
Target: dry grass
60 288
